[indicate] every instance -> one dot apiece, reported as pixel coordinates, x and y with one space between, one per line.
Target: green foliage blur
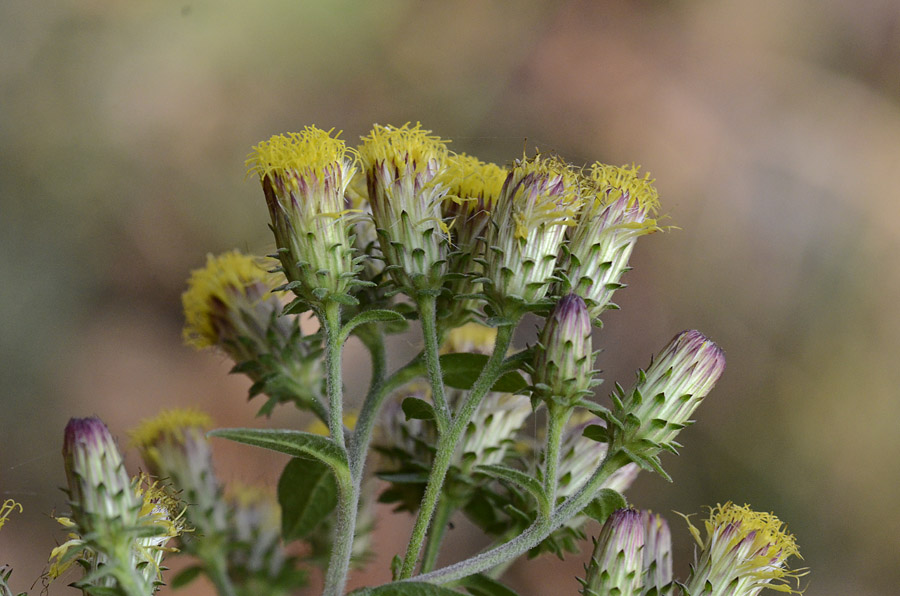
772 128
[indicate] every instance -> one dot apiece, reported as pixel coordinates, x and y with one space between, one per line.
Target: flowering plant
368 239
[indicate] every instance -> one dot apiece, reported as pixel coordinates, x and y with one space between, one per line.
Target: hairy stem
447 443
427 315
439 525
538 531
331 322
344 532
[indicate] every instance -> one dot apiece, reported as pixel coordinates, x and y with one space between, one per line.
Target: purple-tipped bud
667 394
99 487
657 574
616 564
564 358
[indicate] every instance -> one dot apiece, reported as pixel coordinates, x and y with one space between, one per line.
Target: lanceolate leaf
292 442
517 477
307 493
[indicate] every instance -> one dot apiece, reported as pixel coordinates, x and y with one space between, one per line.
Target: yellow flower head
615 182
292 157
402 166
472 183
407 149
746 546
169 423
539 200
227 279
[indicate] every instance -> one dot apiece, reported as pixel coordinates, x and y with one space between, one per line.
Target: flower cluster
402 229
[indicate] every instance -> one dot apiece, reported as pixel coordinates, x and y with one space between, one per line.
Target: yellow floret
222 278
408 148
8 507
551 196
621 180
470 179
169 423
312 151
471 337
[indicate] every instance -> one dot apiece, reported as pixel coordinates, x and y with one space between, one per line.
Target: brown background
772 127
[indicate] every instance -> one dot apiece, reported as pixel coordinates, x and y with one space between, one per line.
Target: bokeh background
772 128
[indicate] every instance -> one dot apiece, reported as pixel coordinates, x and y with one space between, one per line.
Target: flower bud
657 555
743 553
229 304
538 201
616 211
304 176
402 165
473 188
99 487
563 357
119 527
616 563
173 445
666 395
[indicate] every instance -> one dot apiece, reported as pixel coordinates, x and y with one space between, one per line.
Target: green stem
427 316
331 322
344 533
557 416
442 515
447 446
538 531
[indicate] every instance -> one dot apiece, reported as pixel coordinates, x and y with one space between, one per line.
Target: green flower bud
657 555
304 176
616 563
744 552
402 166
562 371
538 201
666 395
616 212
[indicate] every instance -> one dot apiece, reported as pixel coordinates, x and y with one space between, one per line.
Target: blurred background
772 128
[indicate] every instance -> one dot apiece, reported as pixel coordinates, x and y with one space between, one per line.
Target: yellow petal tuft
312 151
217 284
614 182
168 423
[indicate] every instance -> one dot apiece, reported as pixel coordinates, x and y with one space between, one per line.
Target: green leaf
417 409
186 576
461 369
482 585
307 493
529 483
596 432
603 505
406 589
292 442
378 315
